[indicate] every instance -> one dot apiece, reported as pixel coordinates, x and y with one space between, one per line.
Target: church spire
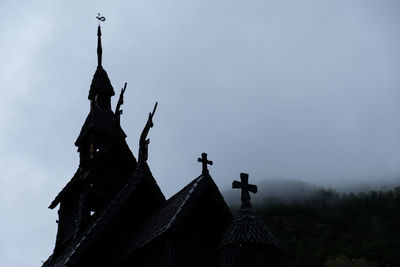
99 48
101 84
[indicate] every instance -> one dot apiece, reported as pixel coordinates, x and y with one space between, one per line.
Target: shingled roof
248 242
81 244
103 121
79 177
170 215
100 84
248 228
82 173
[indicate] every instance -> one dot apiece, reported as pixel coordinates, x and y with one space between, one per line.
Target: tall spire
101 84
99 48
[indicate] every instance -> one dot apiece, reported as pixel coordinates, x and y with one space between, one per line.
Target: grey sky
307 90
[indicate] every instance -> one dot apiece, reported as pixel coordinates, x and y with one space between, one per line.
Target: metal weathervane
100 18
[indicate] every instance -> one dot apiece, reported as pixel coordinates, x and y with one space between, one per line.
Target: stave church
113 213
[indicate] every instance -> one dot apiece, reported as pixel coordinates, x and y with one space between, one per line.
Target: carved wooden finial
118 110
246 188
144 141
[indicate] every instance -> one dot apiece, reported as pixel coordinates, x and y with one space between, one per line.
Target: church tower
105 160
247 240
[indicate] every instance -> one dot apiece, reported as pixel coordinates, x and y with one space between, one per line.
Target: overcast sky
306 90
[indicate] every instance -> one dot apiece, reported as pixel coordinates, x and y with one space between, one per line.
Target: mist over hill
291 191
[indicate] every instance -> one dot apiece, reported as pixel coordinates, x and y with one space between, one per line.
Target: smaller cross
246 187
204 162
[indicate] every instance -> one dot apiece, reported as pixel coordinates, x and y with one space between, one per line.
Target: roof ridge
184 202
159 220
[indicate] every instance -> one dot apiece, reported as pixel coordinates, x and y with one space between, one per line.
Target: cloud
303 90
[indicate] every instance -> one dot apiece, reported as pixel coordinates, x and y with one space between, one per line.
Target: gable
106 221
123 166
199 199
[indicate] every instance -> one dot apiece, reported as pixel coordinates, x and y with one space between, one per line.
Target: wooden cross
246 187
204 162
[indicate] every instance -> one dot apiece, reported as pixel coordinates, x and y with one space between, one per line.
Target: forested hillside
331 229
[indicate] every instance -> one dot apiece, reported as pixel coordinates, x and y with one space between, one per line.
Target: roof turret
248 241
101 83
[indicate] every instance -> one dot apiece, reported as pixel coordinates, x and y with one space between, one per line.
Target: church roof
100 120
80 175
248 228
100 84
248 241
77 248
172 213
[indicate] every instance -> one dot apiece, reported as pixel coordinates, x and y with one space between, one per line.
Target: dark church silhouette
113 213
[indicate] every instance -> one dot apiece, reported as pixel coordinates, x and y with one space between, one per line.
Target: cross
246 187
204 162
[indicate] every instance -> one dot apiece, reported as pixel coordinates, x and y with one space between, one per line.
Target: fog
304 90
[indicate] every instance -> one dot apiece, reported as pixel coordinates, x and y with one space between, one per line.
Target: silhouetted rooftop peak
100 84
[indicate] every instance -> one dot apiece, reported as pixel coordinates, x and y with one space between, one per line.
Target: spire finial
246 188
99 48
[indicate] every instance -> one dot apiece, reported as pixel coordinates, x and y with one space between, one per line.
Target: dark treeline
332 229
